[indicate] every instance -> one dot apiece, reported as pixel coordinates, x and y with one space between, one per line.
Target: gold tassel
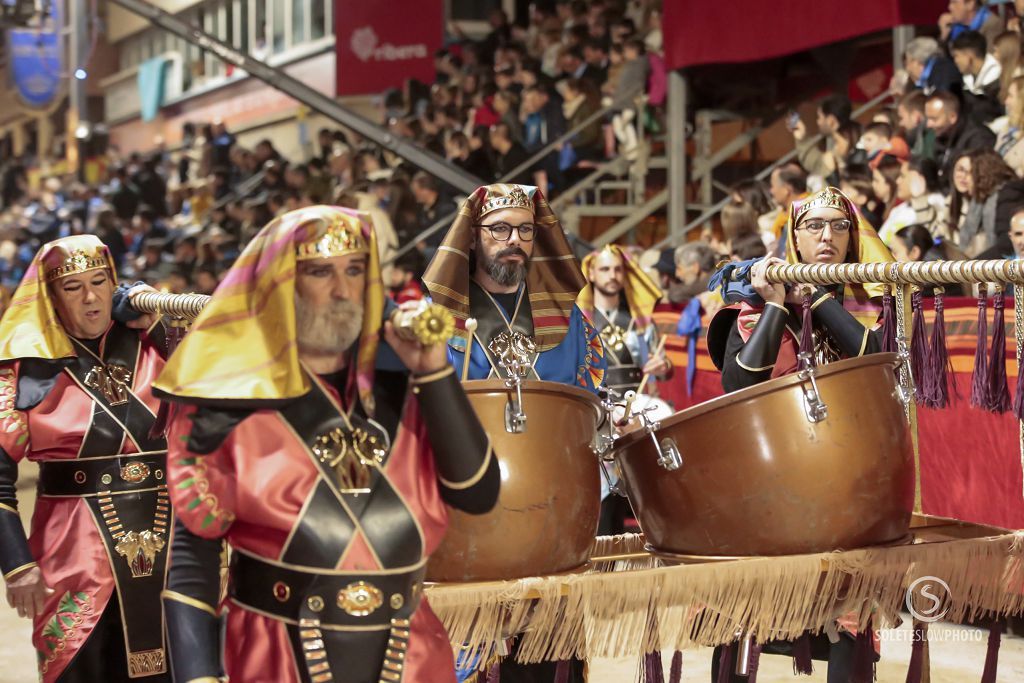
627 604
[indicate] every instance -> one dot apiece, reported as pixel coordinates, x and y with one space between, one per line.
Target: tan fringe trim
625 607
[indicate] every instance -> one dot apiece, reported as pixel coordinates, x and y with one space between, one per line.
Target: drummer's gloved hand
122 310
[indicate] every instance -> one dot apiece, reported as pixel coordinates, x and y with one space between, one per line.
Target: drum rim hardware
814 407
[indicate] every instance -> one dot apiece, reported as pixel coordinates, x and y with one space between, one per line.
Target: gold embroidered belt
356 600
108 474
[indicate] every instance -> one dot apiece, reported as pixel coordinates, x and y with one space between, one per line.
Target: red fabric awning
700 32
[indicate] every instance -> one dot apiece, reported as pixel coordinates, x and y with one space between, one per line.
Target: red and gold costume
330 490
83 410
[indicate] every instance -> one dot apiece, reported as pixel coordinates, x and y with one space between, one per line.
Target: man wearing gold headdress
750 343
326 478
753 343
506 263
619 301
76 396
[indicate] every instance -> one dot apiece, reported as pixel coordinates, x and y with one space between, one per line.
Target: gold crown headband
339 240
515 199
77 262
829 198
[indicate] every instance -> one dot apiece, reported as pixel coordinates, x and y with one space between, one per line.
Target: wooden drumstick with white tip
630 396
470 329
647 375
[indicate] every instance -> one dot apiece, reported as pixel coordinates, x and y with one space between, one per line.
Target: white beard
329 329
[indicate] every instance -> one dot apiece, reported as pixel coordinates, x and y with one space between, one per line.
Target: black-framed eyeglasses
816 226
502 231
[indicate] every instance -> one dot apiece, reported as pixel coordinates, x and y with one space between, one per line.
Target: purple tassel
675 674
920 358
979 379
725 662
916 668
940 364
807 328
888 322
753 663
494 673
998 391
995 636
653 669
802 662
864 657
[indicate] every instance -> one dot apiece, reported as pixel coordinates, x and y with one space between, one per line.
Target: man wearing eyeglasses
763 343
759 339
506 263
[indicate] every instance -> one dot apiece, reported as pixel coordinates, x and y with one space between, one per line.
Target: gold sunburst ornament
428 323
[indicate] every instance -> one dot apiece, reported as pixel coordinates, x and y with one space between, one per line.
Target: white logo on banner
366 46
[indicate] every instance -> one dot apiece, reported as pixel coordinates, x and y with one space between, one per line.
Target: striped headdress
554 279
243 347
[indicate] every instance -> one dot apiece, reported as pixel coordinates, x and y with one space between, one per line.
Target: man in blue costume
506 264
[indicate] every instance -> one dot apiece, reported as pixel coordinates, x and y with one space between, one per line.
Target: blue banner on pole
35 65
152 75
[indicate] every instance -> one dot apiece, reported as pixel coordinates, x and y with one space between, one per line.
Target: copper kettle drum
547 512
815 461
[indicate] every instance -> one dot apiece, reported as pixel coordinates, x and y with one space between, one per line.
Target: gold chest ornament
112 381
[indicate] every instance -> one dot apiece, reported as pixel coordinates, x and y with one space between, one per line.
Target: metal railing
764 173
447 220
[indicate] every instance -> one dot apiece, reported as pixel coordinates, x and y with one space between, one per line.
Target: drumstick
630 397
647 375
470 329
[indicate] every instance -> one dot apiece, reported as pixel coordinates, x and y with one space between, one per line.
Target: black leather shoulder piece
211 426
36 379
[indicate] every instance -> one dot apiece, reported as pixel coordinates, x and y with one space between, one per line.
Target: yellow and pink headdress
30 327
243 347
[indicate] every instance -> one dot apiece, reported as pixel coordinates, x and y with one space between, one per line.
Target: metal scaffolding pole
276 78
676 155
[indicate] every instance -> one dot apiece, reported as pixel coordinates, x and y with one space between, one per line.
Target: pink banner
381 44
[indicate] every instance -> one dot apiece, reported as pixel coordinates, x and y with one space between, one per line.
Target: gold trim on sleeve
461 485
779 306
863 343
821 300
8 508
433 376
750 369
190 601
18 570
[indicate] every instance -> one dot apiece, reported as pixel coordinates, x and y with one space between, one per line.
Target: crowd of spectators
938 171
178 218
942 161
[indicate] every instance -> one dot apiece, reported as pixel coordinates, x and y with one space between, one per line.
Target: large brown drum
547 513
760 477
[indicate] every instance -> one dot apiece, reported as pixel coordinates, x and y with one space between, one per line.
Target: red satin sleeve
202 487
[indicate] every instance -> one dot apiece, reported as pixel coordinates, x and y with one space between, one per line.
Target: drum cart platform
630 601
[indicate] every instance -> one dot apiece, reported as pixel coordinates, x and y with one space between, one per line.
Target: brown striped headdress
554 278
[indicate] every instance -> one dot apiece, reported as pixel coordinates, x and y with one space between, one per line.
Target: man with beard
619 300
506 262
75 398
327 479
